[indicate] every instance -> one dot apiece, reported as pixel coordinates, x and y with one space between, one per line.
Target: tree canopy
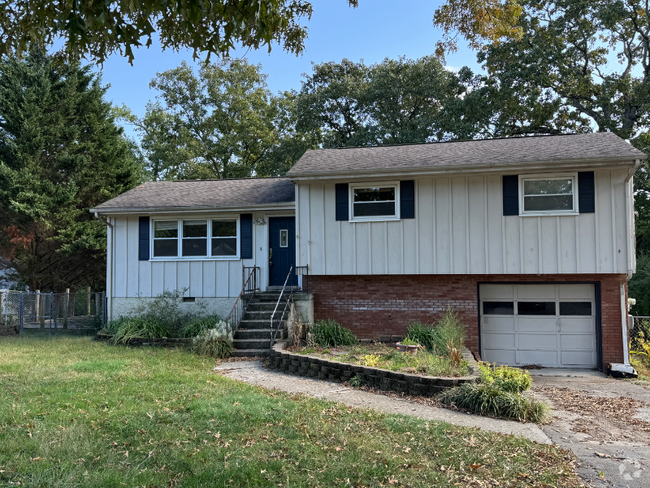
61 153
221 122
396 101
98 29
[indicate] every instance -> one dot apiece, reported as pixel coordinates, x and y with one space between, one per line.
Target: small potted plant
409 346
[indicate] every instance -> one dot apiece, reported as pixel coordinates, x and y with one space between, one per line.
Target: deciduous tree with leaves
61 153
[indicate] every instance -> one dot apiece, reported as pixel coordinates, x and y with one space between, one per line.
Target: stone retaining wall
383 379
141 341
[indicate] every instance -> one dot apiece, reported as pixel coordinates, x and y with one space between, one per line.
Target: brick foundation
383 305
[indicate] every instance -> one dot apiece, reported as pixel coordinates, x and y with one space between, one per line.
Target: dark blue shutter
342 202
586 192
510 195
407 199
246 239
143 240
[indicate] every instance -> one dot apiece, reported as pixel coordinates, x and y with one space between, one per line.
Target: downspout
109 269
631 251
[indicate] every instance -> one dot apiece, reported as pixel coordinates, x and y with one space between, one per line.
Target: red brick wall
376 307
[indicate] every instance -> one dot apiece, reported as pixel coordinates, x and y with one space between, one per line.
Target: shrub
490 399
371 360
194 327
329 333
437 336
216 342
126 328
512 380
409 342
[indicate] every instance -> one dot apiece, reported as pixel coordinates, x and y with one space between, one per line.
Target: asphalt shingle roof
486 152
203 194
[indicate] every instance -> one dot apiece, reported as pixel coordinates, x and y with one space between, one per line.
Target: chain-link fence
639 333
82 312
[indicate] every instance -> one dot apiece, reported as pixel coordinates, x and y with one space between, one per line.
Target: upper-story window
374 202
554 194
195 238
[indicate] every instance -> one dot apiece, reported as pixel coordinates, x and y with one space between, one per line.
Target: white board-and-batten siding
209 278
459 228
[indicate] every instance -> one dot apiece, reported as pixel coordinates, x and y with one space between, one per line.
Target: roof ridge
402 144
221 179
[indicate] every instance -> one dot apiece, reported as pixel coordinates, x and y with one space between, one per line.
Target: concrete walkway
253 373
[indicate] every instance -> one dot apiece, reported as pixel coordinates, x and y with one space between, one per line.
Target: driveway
604 421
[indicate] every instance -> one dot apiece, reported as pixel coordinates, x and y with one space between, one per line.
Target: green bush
162 317
126 328
329 333
512 380
436 336
489 399
195 326
215 342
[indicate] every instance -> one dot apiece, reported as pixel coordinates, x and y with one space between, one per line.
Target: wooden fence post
39 316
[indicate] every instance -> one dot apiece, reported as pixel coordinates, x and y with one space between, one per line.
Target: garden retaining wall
323 369
141 341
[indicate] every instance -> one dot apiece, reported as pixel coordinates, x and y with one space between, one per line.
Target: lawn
74 412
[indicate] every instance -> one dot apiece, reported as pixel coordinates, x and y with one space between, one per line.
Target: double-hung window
196 238
554 194
374 202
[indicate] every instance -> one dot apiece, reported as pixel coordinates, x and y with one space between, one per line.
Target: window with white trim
224 238
195 238
374 202
548 194
165 238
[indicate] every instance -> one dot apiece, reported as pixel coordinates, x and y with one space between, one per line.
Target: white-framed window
374 201
195 238
554 194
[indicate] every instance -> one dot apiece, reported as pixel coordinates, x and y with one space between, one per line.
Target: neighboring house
530 239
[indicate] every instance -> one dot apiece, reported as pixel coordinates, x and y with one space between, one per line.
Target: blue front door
282 255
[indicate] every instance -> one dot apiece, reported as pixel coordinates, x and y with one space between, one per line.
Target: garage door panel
500 356
536 292
584 325
498 323
541 341
581 359
537 324
543 358
577 342
497 341
498 292
585 292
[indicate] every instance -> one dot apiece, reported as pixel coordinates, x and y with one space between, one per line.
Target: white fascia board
515 168
175 210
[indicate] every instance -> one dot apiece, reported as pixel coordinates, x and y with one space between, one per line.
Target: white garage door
546 325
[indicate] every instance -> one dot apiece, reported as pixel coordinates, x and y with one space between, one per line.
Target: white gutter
631 250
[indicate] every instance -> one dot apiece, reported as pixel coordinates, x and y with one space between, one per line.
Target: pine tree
61 153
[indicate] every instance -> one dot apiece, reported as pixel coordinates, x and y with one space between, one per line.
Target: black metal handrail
245 296
286 280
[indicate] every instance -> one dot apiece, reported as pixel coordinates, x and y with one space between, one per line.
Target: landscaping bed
335 370
148 341
387 356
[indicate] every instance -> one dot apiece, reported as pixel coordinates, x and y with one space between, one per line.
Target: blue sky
376 30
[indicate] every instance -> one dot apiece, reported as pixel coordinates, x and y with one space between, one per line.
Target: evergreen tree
61 153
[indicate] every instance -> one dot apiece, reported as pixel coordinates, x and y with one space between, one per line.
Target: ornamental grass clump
127 328
216 342
329 333
436 337
498 393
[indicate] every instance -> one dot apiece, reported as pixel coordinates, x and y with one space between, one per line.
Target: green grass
79 413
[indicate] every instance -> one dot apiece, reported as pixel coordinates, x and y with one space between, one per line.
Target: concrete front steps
253 336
